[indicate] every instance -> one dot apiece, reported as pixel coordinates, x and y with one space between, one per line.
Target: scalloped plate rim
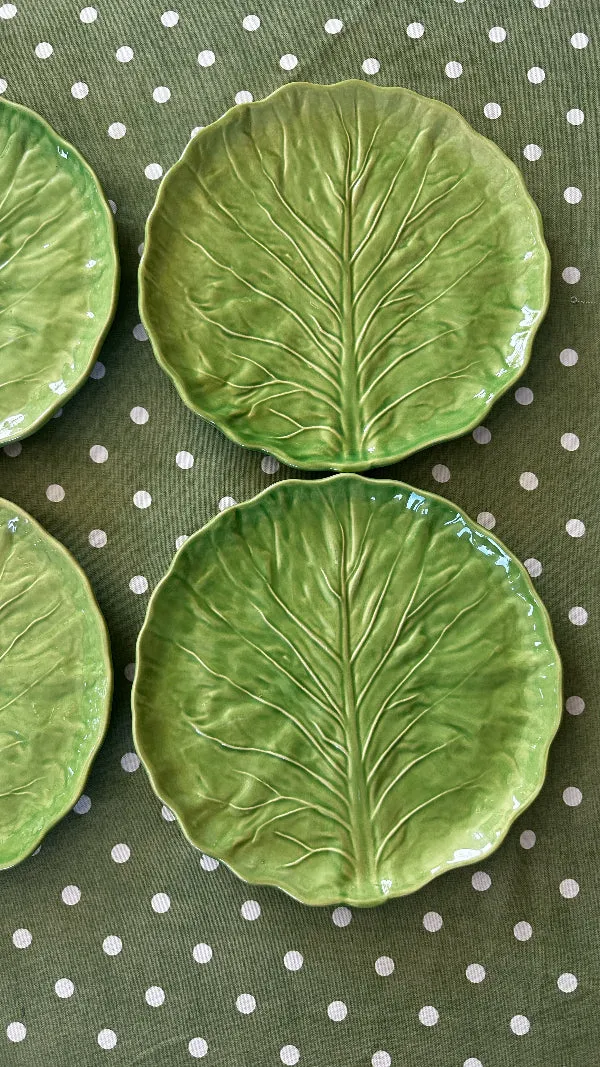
105 651
537 784
380 461
113 244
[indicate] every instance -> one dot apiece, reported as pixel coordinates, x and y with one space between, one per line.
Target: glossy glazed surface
58 271
55 682
344 688
343 274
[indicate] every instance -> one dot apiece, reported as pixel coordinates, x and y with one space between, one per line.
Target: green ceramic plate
55 682
58 271
344 688
343 274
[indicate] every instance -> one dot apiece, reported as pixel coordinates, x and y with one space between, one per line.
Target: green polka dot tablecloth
119 942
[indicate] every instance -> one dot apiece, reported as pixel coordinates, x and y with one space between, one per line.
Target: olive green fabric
495 967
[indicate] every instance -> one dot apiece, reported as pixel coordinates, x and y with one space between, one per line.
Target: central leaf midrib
360 823
348 377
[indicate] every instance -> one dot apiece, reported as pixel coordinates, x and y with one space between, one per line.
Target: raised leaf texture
343 274
58 271
55 682
345 688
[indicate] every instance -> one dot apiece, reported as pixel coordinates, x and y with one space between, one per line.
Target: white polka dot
580 40
269 465
71 894
527 839
492 111
15 448
206 58
8 11
569 888
107 1039
179 541
288 61
142 499
371 65
570 442
532 152
482 435
453 69
208 863
129 672
139 416
520 1024
533 567
567 982
334 26
79 90
475 973
153 171
169 18
98 370
196 130
88 14
481 881
522 931
116 130
243 97
293 960
528 480
22 938
202 953
289 1054
572 194
226 502
415 30
572 796
384 966
341 916
575 705
472 1062
571 275
578 616
130 762
245 1003
250 910
161 902
83 805
120 853
43 50
381 1059
536 75
432 921
55 493
575 116
486 519
3 85
98 453
568 357
16 1031
112 945
251 22
198 1048
429 1015
541 3
167 814
64 988
497 34
138 584
112 206
185 460
124 54
154 996
337 1011
441 473
524 396
139 332
161 94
